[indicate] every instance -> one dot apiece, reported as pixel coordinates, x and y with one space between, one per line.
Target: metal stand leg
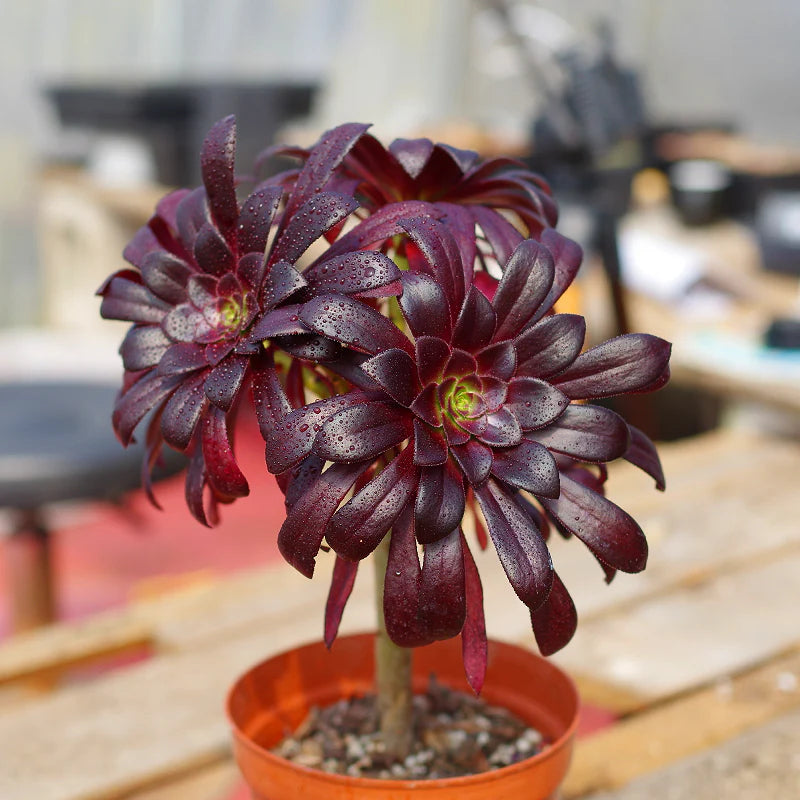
28 560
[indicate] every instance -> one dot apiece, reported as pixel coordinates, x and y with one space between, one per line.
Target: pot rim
490 776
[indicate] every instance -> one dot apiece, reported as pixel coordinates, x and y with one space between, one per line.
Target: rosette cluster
469 396
397 386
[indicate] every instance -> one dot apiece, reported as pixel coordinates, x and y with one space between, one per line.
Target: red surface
103 554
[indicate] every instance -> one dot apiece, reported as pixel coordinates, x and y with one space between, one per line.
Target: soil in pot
455 734
273 698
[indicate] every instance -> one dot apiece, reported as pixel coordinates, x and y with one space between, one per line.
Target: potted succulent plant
388 313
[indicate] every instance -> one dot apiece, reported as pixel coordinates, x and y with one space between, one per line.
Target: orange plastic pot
274 697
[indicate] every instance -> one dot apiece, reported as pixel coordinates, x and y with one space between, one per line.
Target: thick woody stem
392 674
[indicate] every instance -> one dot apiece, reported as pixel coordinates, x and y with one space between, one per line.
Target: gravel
456 734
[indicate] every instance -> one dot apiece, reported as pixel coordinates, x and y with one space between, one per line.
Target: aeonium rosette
476 401
206 273
489 205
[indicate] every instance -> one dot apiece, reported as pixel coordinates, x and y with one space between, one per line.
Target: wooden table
700 649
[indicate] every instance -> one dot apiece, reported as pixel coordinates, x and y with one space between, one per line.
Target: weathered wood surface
716 599
759 765
664 734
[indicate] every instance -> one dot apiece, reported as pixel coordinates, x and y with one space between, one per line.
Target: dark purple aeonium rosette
478 400
489 205
211 280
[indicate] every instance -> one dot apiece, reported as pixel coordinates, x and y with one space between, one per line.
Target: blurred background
670 133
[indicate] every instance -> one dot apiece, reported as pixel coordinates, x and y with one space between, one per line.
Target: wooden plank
183 619
682 640
760 764
64 645
130 729
210 783
663 735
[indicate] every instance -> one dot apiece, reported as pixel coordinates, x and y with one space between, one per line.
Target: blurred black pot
700 190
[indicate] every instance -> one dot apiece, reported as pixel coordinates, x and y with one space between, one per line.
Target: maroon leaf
439 504
455 434
282 281
181 358
474 647
609 532
256 217
476 322
143 347
212 252
308 223
362 432
342 581
296 481
442 168
520 547
460 364
269 399
186 324
166 276
430 446
378 227
224 381
283 321
164 224
441 252
194 488
588 433
555 621
498 360
182 412
503 429
527 466
311 347
494 392
413 154
502 236
130 301
323 159
353 273
394 371
383 176
143 243
442 594
432 355
527 278
630 363
351 322
550 346
137 400
358 527
425 306
216 164
459 220
535 403
291 439
191 214
223 471
642 453
567 257
401 585
474 459
304 527
427 407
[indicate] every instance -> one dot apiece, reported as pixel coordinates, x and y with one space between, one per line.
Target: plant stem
392 673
